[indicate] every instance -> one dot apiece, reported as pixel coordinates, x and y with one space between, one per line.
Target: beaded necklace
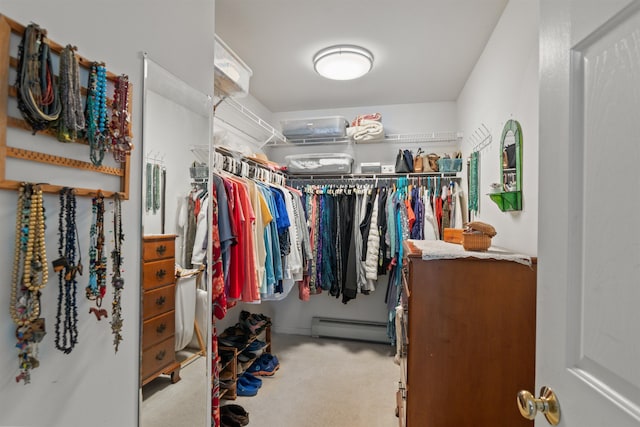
149 186
71 119
67 269
156 188
38 99
97 287
29 276
120 140
117 281
96 112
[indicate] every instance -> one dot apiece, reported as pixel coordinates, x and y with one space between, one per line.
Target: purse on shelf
418 161
433 162
404 162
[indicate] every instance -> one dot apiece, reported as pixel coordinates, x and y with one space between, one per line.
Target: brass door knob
547 404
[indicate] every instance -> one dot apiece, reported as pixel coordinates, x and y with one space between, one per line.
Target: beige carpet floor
321 382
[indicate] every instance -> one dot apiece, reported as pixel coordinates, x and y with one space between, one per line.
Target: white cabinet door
588 326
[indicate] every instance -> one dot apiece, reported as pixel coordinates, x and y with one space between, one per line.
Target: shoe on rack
228 421
236 412
246 356
244 389
256 346
263 367
249 379
269 357
227 384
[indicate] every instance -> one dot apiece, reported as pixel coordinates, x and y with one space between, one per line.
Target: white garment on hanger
199 244
430 223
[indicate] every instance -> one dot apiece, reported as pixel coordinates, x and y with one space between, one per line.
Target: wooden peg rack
8 26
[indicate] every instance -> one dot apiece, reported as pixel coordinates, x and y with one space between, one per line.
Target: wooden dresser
471 341
158 308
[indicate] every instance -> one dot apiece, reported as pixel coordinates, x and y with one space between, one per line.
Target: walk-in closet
281 213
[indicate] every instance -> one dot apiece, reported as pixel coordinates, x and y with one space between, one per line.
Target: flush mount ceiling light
343 62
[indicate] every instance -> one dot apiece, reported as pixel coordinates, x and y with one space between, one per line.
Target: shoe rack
232 364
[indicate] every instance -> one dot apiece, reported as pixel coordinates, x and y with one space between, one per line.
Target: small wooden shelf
508 200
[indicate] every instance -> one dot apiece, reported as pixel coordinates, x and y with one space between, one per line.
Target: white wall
92 386
503 86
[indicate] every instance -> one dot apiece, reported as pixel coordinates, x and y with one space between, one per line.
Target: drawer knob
161 300
161 249
161 328
160 274
161 354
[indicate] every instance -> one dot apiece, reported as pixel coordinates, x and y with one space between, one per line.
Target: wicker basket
475 241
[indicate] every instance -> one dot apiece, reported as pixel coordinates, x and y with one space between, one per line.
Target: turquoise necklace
96 112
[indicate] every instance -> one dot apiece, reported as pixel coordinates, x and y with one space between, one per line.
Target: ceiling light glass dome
343 62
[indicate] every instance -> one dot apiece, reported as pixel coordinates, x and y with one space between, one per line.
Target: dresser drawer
158 248
158 329
157 357
158 301
158 273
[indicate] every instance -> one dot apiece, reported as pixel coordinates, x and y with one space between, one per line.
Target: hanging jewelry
119 126
149 187
156 188
117 281
37 92
71 120
67 268
97 288
29 276
96 112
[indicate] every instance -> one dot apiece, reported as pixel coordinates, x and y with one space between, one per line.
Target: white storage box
315 128
373 167
326 163
231 74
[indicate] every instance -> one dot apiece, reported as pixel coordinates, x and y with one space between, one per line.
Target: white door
588 326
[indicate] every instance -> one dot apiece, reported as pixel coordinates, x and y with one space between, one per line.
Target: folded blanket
362 117
368 131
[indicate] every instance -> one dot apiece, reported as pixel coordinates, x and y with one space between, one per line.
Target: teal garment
473 181
273 266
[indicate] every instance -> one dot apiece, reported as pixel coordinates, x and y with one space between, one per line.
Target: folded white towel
368 131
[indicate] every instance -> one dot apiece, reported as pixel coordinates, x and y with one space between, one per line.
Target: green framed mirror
510 196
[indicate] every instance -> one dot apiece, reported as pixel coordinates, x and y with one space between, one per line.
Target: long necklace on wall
37 93
67 268
120 140
97 287
117 280
96 113
30 275
71 120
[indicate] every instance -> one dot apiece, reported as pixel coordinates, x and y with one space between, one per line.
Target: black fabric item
511 156
344 229
228 421
383 259
366 223
235 413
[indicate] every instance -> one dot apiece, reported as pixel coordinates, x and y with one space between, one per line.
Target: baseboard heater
360 330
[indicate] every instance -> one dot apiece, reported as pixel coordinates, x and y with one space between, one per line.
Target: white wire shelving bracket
405 138
481 138
271 135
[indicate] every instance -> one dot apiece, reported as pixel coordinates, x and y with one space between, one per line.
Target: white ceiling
424 49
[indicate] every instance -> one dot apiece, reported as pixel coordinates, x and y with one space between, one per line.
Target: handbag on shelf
433 162
404 162
418 161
